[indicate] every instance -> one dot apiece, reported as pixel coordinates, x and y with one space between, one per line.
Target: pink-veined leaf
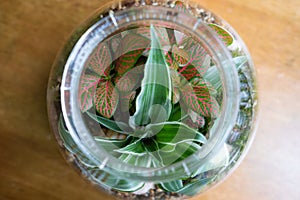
128 81
106 99
100 60
162 34
129 51
87 89
194 120
199 99
115 42
180 55
198 64
223 34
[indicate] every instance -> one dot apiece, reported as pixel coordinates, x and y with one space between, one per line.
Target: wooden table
31 166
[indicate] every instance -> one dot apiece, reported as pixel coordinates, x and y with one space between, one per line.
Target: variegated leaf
106 99
87 87
100 60
199 99
116 126
156 88
130 50
223 34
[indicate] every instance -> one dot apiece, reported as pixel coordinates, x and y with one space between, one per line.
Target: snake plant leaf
72 147
109 181
213 76
100 60
101 177
175 132
111 144
199 99
118 127
134 148
220 160
106 98
172 186
177 113
156 88
169 154
223 34
87 89
135 160
195 186
129 51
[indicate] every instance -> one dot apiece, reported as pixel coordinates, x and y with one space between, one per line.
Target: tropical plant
159 97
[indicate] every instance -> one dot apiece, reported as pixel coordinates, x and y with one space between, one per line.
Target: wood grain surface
31 167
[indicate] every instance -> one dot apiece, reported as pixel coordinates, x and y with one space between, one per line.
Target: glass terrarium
153 99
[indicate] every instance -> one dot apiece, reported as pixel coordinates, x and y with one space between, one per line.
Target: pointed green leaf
195 187
106 99
130 50
223 34
110 181
213 76
175 132
135 148
100 60
172 186
119 127
167 156
221 159
199 99
71 146
111 144
156 86
87 89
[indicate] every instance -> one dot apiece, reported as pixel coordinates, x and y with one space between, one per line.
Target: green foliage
176 99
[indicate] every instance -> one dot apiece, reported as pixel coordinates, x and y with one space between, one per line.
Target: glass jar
153 99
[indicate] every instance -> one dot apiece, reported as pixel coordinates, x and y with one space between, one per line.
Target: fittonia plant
159 99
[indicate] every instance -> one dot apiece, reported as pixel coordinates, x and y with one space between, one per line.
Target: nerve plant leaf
87 89
224 35
156 88
198 98
100 60
198 63
130 50
106 99
162 35
128 81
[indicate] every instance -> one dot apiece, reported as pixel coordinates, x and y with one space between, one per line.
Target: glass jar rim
74 68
